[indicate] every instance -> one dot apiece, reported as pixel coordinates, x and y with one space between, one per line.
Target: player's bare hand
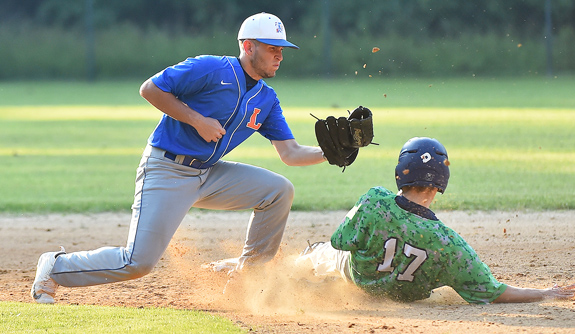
561 292
210 129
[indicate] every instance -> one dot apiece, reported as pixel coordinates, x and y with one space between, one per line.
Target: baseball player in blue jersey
211 104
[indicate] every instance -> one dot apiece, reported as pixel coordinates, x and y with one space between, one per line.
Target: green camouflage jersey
403 255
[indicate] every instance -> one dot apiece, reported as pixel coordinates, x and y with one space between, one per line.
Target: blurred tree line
136 38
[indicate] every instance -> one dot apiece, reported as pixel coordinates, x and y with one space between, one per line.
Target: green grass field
340 93
511 143
33 318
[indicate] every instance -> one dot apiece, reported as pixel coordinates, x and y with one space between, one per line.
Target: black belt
187 161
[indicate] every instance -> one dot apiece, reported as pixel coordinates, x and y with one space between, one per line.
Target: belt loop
180 159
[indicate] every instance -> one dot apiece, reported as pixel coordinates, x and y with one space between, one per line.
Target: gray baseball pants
165 192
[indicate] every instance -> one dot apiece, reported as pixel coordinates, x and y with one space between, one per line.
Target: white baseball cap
266 28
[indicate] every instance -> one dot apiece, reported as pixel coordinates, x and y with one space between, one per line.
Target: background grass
341 93
74 147
32 318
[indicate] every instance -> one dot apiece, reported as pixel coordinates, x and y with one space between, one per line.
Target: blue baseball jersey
215 87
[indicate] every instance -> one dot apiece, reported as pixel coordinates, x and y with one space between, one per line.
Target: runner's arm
526 295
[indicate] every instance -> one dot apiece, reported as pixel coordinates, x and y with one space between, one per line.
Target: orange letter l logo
252 123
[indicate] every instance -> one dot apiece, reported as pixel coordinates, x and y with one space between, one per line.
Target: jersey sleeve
275 126
472 279
353 233
182 78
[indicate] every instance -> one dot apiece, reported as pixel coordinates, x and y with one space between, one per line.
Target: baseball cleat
311 247
44 287
223 265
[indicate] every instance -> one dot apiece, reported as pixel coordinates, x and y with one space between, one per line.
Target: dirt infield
529 249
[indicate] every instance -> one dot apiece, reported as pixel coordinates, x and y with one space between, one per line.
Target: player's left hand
561 292
340 138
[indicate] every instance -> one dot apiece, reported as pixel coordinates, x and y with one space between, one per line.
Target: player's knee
280 193
286 188
137 270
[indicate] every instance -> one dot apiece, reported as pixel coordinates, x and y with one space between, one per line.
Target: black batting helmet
422 162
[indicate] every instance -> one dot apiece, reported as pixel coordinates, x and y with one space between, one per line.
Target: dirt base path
534 249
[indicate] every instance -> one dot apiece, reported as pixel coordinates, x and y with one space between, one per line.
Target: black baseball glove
340 138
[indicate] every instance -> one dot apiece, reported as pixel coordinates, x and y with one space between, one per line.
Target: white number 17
420 255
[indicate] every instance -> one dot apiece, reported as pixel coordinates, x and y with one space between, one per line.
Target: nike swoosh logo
225 83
